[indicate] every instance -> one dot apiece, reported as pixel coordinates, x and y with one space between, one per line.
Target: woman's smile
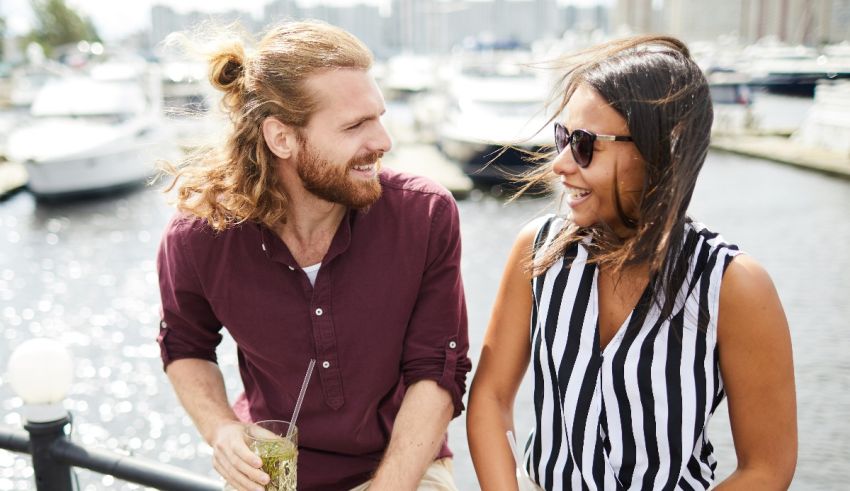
575 195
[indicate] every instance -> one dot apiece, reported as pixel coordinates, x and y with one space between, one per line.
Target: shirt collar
275 249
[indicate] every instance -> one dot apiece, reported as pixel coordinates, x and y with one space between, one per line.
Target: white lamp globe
41 371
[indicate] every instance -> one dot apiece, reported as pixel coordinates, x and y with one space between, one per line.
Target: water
84 273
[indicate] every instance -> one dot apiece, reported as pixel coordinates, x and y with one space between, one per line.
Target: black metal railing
54 455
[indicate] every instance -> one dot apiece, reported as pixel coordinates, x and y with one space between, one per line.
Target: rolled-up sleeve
437 341
188 328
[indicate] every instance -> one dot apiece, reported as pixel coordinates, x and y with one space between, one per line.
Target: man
293 238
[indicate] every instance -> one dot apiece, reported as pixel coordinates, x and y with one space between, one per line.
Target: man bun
227 74
227 67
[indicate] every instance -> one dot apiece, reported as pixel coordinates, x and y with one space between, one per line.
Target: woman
641 320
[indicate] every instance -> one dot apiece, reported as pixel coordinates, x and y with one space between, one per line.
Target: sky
115 19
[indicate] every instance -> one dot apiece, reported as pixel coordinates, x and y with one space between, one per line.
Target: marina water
84 272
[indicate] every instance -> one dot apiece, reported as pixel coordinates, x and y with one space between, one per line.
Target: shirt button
452 345
320 312
264 247
291 268
326 364
163 324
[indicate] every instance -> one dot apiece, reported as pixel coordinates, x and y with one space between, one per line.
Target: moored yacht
92 133
489 111
791 70
827 124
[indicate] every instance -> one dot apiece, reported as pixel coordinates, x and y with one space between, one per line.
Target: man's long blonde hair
236 180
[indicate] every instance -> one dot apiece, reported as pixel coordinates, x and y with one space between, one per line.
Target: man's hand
200 387
236 463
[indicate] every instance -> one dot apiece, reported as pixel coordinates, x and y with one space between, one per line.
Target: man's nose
382 142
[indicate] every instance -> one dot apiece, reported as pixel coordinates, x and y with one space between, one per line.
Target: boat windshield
82 97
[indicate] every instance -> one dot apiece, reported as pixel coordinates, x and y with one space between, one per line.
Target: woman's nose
564 163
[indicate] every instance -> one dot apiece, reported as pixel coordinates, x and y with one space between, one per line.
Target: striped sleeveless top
634 415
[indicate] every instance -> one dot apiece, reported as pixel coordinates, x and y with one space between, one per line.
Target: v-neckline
597 306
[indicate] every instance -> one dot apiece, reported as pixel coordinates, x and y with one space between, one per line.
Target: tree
56 24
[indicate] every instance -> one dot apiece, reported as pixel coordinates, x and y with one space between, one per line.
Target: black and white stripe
634 415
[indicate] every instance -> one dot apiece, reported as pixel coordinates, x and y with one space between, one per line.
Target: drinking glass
277 447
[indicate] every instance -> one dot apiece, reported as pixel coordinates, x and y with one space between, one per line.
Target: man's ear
279 137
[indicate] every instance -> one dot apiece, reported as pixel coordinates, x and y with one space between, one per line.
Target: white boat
27 80
191 111
793 70
827 124
92 133
732 100
185 89
406 75
488 111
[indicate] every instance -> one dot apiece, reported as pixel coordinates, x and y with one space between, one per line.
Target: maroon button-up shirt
387 310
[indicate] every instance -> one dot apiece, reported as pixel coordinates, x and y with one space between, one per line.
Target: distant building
546 19
165 20
811 22
634 16
364 21
437 26
412 25
418 26
587 19
279 10
698 20
837 25
542 21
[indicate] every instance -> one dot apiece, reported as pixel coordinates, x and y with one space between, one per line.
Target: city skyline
438 26
135 15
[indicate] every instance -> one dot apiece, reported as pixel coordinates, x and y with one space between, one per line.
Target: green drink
279 452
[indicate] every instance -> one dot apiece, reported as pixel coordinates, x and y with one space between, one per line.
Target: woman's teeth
578 193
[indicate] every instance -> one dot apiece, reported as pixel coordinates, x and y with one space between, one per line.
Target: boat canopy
81 96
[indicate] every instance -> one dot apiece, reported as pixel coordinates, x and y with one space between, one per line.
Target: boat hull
489 163
795 84
106 170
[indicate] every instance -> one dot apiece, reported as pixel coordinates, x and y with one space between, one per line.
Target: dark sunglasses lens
581 145
560 138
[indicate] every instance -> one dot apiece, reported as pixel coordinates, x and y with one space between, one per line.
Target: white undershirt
312 271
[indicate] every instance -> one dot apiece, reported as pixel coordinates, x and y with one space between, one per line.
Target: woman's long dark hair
653 82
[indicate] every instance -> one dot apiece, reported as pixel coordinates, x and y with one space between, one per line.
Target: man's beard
331 182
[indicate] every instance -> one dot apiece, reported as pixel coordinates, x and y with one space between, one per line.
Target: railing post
43 386
50 473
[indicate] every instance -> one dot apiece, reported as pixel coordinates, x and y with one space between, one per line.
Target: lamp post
40 371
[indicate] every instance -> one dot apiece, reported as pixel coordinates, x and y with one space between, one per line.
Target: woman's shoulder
746 281
709 238
542 229
746 285
707 248
750 311
536 232
530 238
529 233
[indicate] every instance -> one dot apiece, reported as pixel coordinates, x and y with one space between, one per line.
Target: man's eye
355 126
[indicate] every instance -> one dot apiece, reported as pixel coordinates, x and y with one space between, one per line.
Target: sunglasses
581 143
